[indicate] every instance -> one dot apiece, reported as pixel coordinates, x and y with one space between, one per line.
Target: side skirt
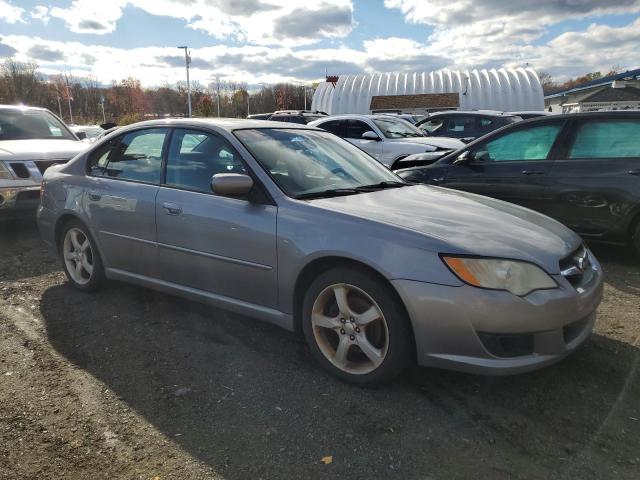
259 312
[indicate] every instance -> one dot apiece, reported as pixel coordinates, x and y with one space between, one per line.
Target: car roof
223 123
356 116
484 113
21 107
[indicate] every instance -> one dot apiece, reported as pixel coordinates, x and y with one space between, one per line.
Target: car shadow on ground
247 399
19 242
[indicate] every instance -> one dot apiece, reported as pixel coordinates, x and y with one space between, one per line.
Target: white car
386 138
87 133
31 140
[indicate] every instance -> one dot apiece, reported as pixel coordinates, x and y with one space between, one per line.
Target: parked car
409 117
297 227
260 116
386 138
31 140
467 125
527 114
296 116
88 133
581 169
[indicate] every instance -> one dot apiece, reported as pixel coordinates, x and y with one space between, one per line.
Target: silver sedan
294 226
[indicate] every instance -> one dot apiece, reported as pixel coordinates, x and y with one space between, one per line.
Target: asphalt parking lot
129 383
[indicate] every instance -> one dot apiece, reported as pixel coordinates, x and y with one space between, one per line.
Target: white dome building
504 89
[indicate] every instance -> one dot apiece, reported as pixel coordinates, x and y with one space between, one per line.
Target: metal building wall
506 89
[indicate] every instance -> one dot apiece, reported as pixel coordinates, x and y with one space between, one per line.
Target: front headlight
519 278
5 174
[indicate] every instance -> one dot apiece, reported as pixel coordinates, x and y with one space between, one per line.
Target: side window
524 144
485 124
334 126
433 126
278 118
355 129
606 139
194 157
460 125
135 156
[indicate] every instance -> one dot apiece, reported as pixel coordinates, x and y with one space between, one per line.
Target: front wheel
80 258
355 327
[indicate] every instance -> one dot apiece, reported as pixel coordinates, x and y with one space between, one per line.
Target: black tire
97 275
399 352
635 240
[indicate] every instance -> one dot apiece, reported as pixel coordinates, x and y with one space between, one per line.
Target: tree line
87 101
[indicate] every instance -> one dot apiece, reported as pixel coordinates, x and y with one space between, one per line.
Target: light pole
187 61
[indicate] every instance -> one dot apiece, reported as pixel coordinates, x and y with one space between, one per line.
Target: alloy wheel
78 256
350 328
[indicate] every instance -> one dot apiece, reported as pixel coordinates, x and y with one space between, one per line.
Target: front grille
577 267
44 164
507 346
20 169
27 198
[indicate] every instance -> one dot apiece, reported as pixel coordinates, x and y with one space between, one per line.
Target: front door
513 167
596 181
221 245
354 129
124 176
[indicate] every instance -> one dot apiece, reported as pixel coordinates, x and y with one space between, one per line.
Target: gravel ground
129 383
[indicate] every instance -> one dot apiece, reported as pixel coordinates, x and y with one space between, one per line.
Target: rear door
513 166
596 180
124 176
221 245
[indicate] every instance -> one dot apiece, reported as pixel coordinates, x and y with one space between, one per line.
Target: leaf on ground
327 460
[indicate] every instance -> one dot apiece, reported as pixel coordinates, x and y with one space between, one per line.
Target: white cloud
10 13
496 32
41 13
262 22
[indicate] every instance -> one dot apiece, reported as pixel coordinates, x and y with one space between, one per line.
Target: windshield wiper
332 192
380 186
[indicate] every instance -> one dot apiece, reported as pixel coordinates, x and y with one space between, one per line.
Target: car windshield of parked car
397 128
18 124
304 162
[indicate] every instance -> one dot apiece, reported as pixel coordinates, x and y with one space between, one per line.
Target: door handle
94 196
634 172
172 208
532 172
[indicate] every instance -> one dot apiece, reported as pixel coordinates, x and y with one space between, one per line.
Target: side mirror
231 184
464 158
81 135
370 135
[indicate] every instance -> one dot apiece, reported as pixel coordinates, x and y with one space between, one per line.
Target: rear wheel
355 327
80 258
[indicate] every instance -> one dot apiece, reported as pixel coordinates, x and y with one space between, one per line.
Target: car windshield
397 128
17 124
307 162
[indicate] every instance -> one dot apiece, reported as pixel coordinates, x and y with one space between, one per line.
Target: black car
260 116
465 125
296 116
581 169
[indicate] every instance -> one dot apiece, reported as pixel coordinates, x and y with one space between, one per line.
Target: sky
266 41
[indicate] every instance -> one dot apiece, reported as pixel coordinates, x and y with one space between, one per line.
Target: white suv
386 138
31 140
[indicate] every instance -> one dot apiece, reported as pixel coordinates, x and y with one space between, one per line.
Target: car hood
463 223
439 142
40 149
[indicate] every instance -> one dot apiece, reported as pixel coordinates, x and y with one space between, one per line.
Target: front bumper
494 332
19 201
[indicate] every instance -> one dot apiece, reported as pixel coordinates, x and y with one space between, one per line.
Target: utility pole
68 92
187 61
59 105
104 119
218 93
